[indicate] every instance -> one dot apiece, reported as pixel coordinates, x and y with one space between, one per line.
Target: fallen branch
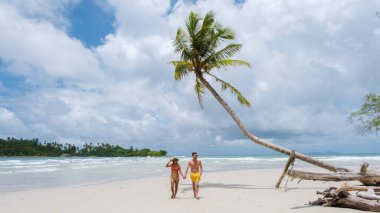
369 195
335 198
286 168
346 200
370 179
367 192
347 188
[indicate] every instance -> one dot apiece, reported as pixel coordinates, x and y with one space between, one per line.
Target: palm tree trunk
263 142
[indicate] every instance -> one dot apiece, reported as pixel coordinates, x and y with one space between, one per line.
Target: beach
220 191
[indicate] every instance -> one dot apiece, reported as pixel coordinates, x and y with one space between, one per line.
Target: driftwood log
369 194
346 187
341 198
368 178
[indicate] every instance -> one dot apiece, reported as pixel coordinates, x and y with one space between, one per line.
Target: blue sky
90 22
96 70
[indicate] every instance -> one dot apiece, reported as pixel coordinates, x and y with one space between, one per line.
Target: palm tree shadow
221 186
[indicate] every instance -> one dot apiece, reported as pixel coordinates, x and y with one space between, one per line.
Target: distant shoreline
33 147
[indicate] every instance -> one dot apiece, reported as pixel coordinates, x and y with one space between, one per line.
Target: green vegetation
25 147
367 118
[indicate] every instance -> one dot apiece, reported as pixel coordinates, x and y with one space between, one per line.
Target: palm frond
181 44
192 24
225 63
233 90
208 22
199 90
181 69
225 33
202 44
227 52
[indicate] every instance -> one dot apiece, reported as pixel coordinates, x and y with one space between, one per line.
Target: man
195 174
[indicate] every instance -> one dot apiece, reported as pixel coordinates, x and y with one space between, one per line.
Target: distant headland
33 147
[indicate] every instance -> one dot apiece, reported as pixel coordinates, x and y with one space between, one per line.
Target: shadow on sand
188 187
221 186
239 186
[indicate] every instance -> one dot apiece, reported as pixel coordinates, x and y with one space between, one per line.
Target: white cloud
35 47
312 63
10 123
377 32
53 11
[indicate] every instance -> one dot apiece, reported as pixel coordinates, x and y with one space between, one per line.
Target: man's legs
195 178
196 190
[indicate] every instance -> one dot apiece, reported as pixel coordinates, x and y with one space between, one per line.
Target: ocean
29 173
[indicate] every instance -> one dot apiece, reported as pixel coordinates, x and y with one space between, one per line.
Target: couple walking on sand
195 174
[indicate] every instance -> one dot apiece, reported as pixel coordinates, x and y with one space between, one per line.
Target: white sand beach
231 191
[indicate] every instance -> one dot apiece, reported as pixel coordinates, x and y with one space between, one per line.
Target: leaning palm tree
201 56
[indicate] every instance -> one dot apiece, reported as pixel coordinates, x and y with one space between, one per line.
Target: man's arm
201 168
187 168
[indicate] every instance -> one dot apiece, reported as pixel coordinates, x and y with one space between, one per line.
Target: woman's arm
180 171
169 164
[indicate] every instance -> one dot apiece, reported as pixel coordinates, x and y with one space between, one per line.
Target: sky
82 71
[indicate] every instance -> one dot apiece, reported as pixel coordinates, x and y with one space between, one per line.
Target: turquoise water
17 174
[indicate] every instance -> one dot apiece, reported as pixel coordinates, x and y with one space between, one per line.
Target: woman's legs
176 187
172 187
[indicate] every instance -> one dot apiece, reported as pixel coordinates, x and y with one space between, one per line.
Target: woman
174 178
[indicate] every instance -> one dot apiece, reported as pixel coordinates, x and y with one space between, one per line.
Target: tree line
367 118
33 147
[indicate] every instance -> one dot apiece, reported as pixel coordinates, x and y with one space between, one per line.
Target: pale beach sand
232 191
